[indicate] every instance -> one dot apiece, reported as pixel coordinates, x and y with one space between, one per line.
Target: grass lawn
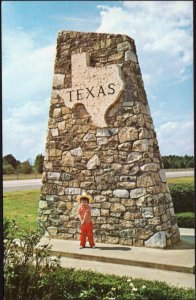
23 207
22 176
179 170
180 180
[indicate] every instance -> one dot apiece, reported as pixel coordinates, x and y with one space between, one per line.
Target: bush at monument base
183 197
186 219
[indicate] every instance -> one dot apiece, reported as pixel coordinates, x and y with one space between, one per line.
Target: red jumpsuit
86 229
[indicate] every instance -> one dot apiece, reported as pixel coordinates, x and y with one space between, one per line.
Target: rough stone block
100 220
52 230
58 81
124 46
102 141
136 193
100 198
128 134
128 216
134 156
93 163
43 204
51 197
106 132
172 211
115 56
117 207
150 167
54 132
162 175
95 212
127 233
67 159
110 239
66 177
147 212
128 202
158 240
61 125
105 212
76 151
107 226
141 145
146 180
89 137
57 112
126 185
128 178
129 55
43 217
121 193
53 175
159 210
72 191
106 205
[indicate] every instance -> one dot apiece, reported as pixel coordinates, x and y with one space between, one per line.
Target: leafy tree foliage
7 168
38 164
26 167
178 162
11 160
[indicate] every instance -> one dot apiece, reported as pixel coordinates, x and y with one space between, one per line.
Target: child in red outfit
84 212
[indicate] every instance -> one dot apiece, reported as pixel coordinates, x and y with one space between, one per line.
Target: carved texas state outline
96 88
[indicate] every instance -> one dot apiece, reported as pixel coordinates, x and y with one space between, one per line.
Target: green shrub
71 284
24 263
124 288
186 219
183 197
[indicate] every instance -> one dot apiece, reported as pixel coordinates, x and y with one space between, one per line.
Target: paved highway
35 184
179 174
17 185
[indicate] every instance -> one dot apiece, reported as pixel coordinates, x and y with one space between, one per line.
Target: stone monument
101 140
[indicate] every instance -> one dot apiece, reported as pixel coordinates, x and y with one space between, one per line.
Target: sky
163 34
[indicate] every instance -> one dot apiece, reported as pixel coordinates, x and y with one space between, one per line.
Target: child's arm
86 215
78 211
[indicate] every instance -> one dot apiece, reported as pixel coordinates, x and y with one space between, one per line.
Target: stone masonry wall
119 165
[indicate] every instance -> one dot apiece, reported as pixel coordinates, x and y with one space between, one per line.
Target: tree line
13 166
178 162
